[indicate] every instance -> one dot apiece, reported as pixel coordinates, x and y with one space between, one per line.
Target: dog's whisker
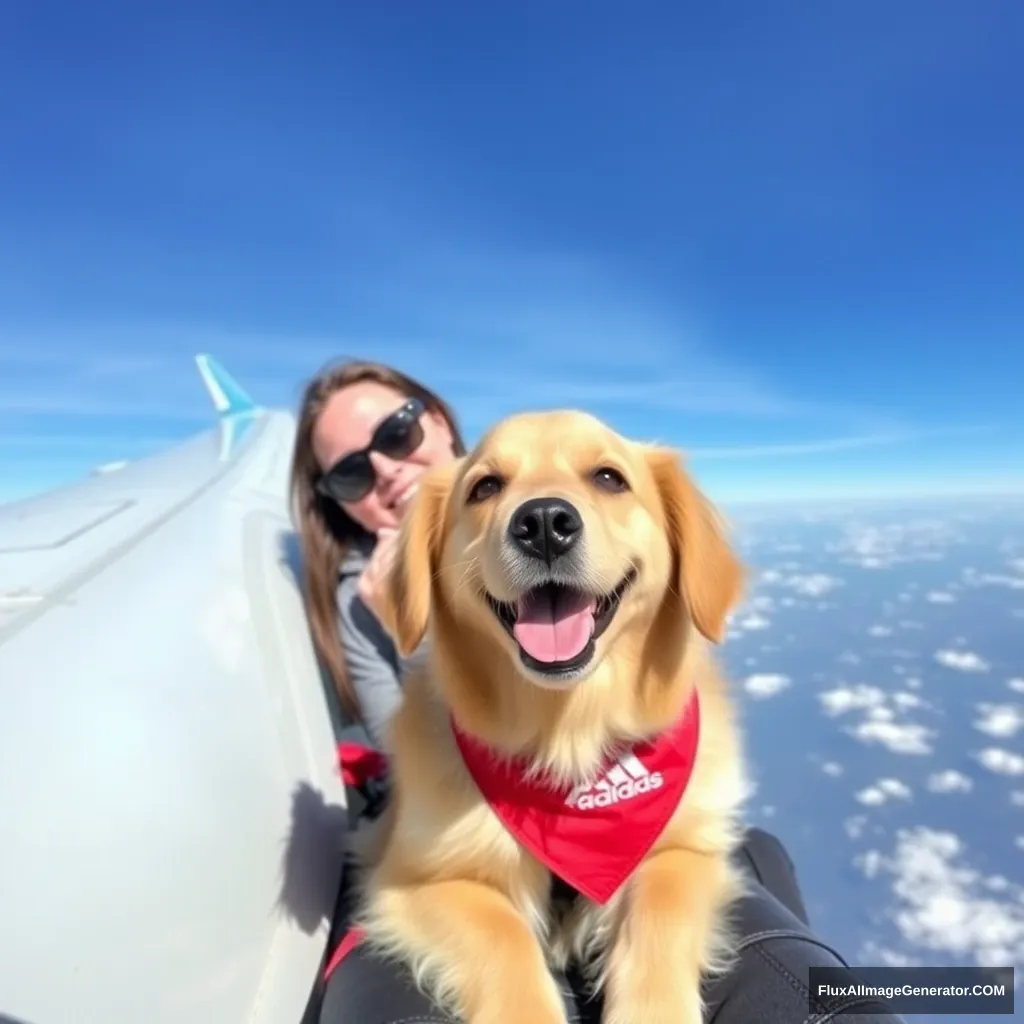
467 578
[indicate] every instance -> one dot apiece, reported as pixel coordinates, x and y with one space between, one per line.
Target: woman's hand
371 579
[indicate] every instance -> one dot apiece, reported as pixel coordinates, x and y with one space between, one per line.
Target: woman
366 433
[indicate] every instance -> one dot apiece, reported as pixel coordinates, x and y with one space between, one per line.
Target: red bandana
592 837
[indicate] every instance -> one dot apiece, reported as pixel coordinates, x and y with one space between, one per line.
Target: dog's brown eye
609 479
486 487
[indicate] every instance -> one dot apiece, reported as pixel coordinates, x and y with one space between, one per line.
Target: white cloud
899 738
816 447
973 578
143 350
146 371
852 698
962 661
949 781
1000 761
1000 719
1017 684
806 584
31 444
601 343
879 724
873 953
907 700
1017 797
172 402
766 684
880 631
883 791
822 446
815 585
754 621
854 826
946 906
554 316
832 768
940 597
873 546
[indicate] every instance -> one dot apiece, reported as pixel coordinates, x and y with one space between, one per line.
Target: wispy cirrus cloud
46 442
492 329
570 357
494 335
137 372
833 444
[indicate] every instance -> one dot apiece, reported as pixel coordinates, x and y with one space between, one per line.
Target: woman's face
347 424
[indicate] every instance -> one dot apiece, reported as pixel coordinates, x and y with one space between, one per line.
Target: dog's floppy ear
708 573
404 604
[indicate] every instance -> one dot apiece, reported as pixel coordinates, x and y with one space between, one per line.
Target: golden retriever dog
567 721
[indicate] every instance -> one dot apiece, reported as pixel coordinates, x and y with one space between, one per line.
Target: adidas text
614 794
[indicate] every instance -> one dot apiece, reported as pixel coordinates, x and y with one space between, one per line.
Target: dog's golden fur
449 891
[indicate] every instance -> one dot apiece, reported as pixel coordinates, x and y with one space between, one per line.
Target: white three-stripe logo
626 779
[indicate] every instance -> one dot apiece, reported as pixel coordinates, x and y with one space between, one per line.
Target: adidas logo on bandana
623 781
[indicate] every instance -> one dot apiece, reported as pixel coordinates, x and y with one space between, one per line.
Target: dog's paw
645 1010
534 1010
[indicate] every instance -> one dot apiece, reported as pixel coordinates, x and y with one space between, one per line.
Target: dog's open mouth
556 625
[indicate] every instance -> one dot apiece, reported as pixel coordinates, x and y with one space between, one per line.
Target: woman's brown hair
325 531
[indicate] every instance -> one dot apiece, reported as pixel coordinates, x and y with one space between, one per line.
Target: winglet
227 395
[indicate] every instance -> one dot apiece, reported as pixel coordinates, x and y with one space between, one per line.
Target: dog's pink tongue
554 627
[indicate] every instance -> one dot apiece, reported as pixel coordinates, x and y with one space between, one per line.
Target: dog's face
554 538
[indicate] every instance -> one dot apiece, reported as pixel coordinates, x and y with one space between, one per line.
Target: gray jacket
374 667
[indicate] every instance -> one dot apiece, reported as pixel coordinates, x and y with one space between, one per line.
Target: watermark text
910 990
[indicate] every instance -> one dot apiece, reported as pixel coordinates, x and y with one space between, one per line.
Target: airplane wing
170 805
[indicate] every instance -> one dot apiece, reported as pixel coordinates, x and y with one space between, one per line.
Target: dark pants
768 986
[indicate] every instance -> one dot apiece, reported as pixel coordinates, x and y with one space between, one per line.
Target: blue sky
788 238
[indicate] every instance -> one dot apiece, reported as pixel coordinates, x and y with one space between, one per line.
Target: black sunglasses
397 436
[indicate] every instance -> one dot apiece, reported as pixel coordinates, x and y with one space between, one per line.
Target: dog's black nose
545 528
